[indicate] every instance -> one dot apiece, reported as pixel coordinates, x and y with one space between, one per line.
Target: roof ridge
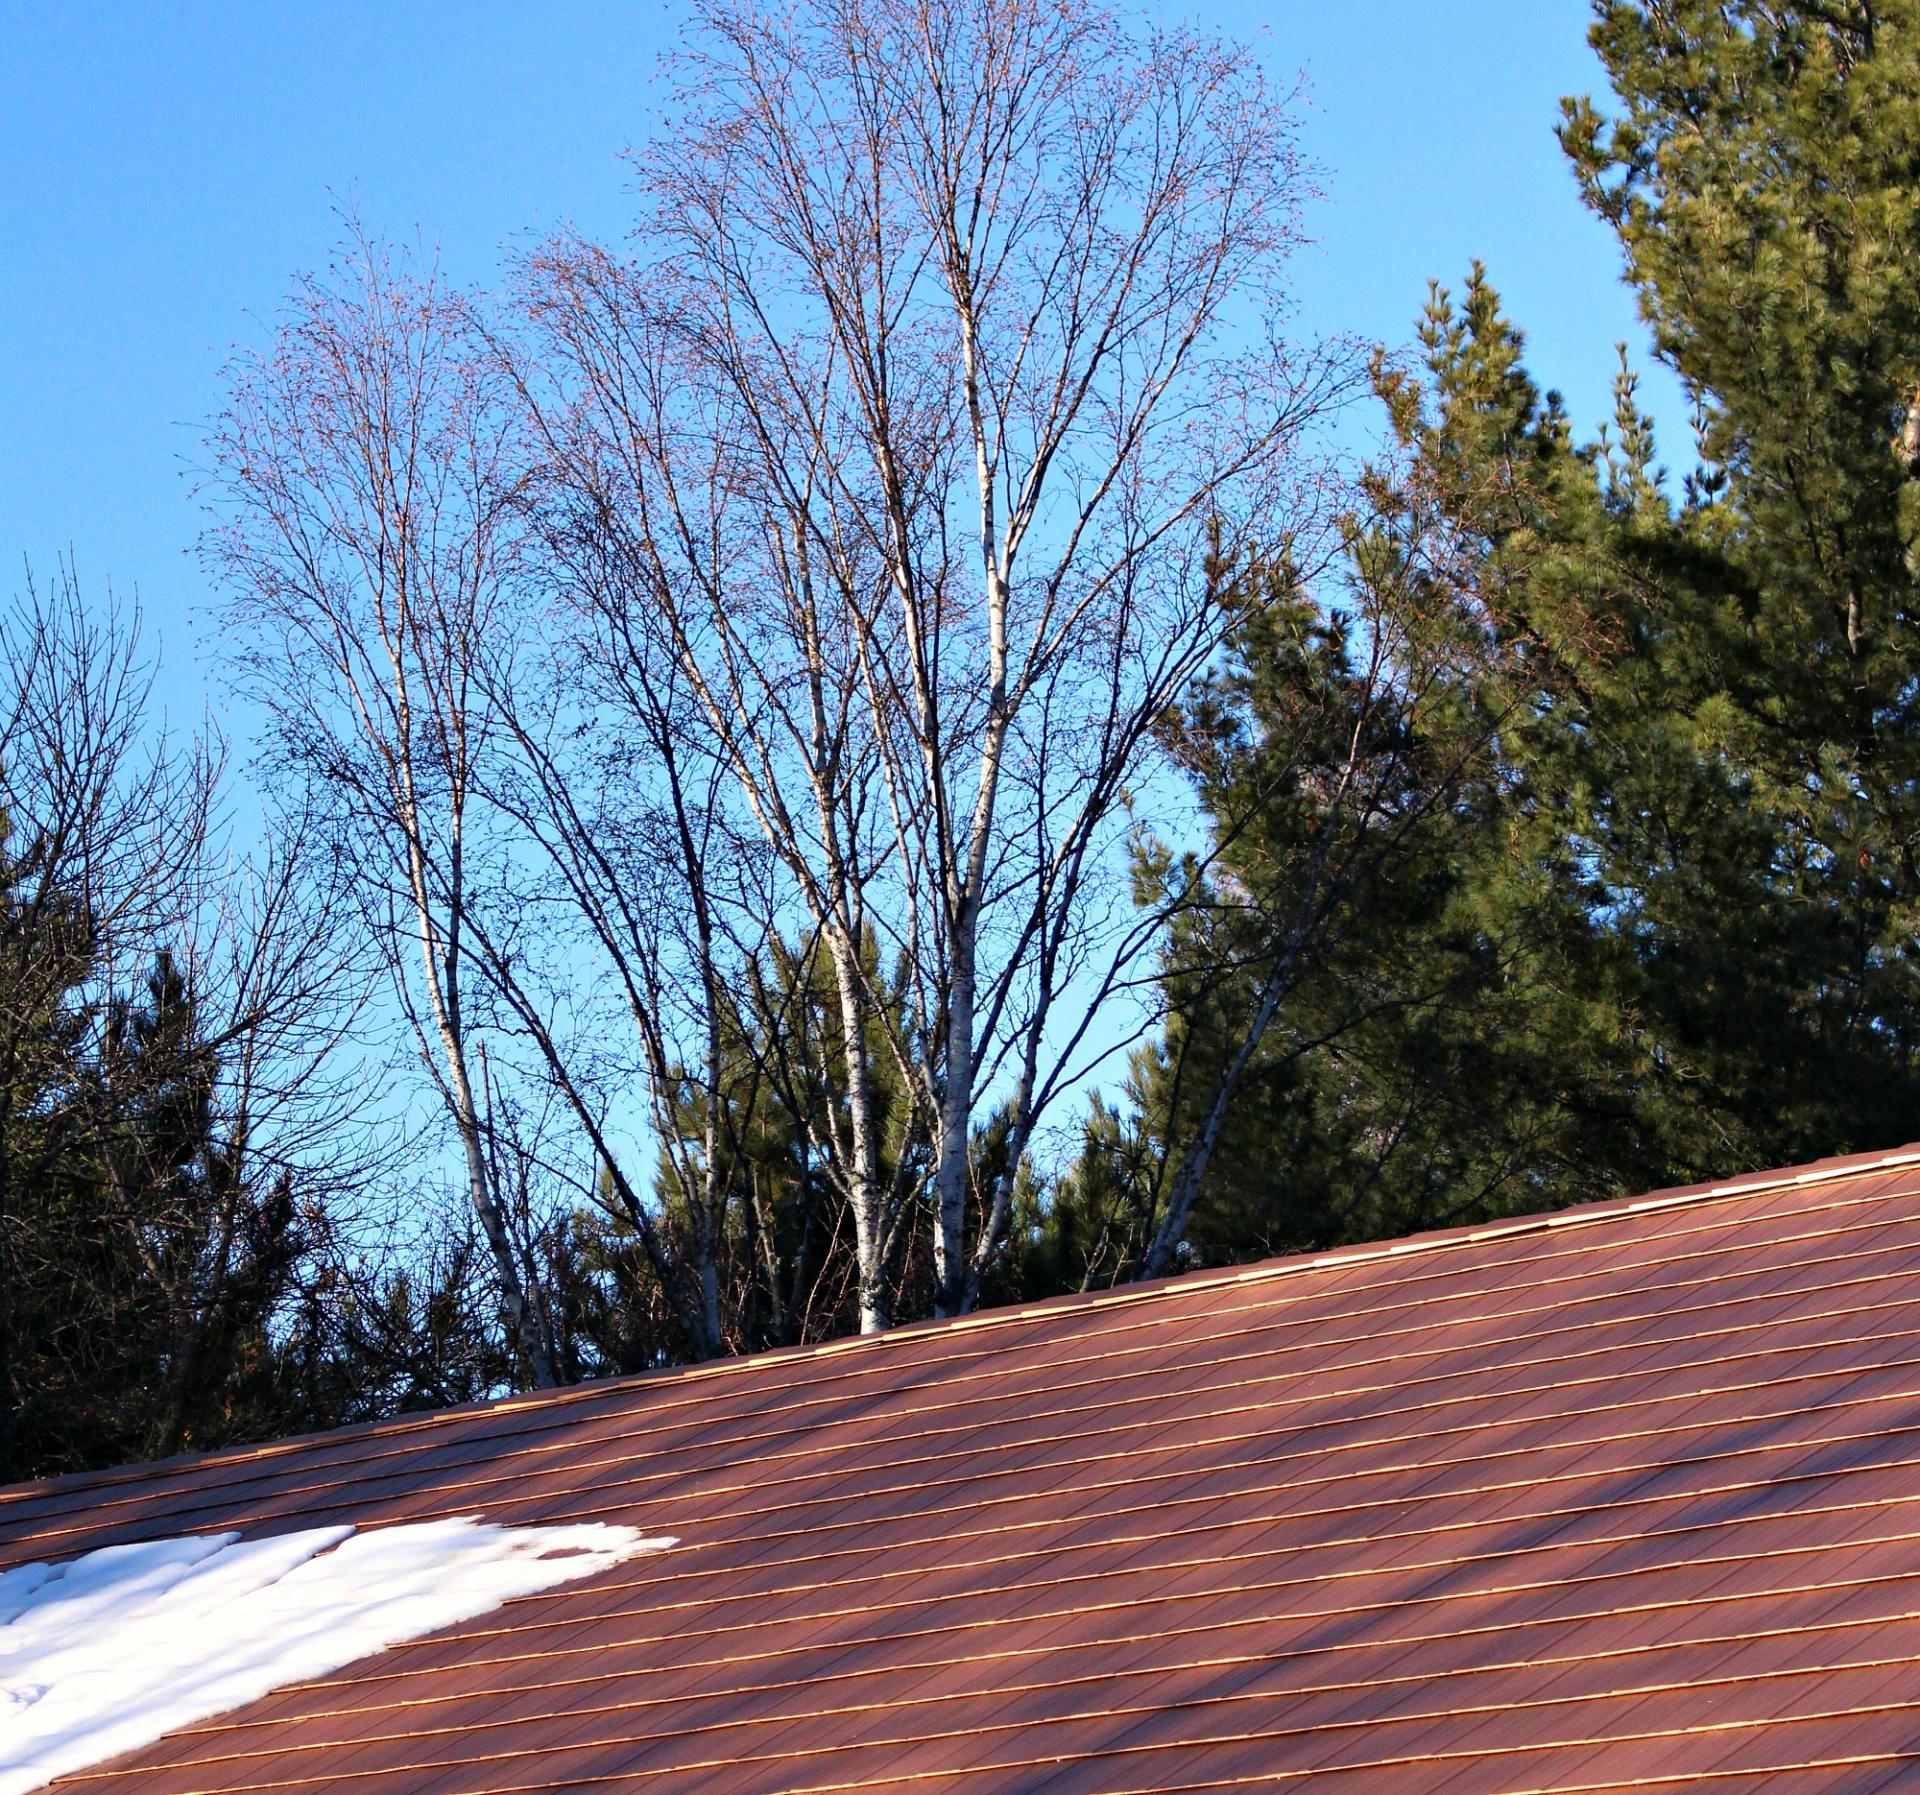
1405 1246
1747 1184
1284 1266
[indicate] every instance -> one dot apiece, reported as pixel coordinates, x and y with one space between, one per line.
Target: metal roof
1624 1497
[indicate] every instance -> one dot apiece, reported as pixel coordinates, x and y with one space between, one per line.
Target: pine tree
1665 928
152 1263
1451 1041
1761 165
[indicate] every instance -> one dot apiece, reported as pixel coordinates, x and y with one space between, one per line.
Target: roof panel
1624 1497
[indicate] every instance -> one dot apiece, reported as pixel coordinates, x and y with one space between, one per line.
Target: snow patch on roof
104 1653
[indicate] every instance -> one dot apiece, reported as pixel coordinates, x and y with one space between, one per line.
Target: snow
111 1651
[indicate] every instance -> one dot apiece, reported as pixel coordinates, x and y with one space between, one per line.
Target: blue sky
168 168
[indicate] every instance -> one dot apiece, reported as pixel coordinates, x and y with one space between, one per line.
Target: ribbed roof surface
1625 1498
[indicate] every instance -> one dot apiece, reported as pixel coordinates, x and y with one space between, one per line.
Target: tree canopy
1663 926
757 710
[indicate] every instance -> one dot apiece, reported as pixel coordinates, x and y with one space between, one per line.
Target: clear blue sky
164 169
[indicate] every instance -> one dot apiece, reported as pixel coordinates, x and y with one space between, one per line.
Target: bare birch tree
614 954
369 535
949 339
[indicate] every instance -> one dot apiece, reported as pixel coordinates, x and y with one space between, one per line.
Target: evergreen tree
1762 169
177 1151
149 1262
1664 928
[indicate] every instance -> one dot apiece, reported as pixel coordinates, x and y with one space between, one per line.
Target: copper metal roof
1625 1497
